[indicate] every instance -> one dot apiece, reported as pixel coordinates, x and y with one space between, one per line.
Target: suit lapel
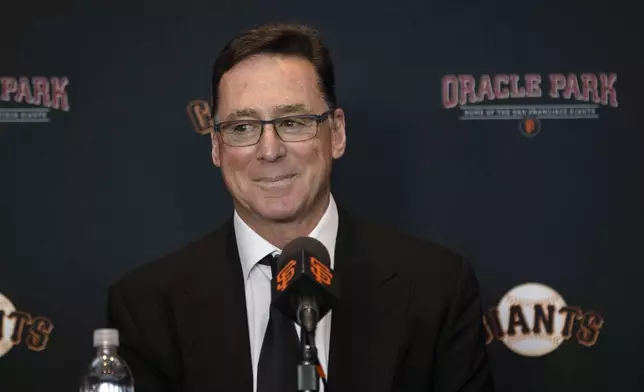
210 309
366 326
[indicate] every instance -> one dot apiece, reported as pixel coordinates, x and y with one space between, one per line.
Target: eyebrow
239 113
279 110
293 108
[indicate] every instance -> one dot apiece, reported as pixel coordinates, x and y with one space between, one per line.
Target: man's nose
271 147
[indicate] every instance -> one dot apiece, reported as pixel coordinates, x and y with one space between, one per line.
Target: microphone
305 287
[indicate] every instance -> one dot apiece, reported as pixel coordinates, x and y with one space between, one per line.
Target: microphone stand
308 379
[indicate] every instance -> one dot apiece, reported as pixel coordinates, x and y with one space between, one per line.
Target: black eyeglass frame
319 118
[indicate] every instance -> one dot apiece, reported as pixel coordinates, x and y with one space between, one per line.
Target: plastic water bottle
107 372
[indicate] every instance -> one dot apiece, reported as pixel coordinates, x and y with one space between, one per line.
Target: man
409 318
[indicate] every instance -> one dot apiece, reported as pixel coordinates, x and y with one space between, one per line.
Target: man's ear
216 153
338 133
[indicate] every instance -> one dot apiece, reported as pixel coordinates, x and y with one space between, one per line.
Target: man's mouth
276 181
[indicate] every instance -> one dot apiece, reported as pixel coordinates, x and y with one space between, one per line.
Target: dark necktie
278 359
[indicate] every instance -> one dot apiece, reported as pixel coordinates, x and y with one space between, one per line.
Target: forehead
264 83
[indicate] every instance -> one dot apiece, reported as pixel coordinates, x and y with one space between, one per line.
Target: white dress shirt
252 248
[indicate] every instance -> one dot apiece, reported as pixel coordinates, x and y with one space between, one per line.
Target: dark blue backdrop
122 177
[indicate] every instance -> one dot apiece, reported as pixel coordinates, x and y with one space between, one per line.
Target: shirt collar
252 247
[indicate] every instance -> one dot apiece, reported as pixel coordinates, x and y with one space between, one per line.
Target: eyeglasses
241 133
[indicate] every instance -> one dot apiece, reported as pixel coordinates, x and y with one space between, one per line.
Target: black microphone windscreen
304 271
307 244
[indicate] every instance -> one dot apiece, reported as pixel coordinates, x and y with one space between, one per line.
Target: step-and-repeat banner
511 133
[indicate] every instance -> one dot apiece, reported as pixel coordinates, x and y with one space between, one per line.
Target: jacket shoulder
437 275
163 272
435 272
409 252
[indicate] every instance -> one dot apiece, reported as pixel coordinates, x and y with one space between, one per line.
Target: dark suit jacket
409 318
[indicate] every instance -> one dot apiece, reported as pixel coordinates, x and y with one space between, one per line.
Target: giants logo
199 113
12 328
39 91
285 275
467 92
533 320
321 272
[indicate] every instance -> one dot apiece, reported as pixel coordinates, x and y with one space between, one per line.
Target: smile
275 182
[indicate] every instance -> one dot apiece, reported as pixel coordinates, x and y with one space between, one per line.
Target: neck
281 233
106 350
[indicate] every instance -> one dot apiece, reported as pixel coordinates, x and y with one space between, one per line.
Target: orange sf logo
320 271
285 275
199 113
529 126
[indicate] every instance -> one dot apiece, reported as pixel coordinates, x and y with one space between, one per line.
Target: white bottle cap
106 337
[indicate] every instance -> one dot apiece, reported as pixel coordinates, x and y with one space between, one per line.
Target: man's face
275 180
